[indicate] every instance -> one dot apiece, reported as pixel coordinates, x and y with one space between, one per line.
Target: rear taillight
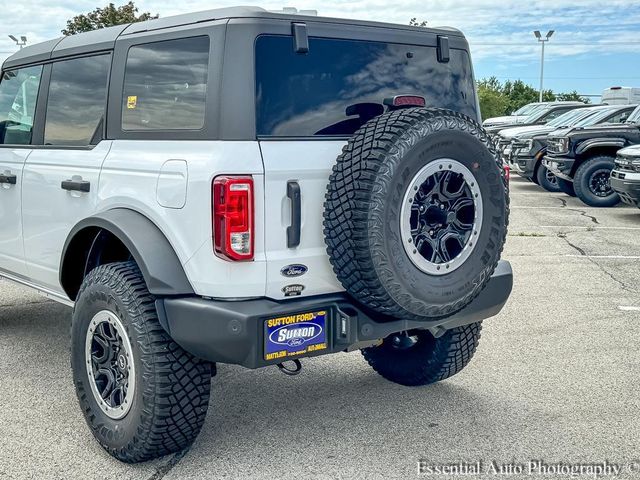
233 217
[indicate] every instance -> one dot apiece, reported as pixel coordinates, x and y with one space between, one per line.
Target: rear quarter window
341 84
165 85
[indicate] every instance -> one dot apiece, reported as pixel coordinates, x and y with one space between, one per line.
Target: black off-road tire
583 176
566 186
542 179
430 360
362 212
172 387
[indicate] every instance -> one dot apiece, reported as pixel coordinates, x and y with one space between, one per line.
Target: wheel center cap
122 362
435 216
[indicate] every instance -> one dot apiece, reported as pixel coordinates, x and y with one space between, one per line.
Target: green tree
414 22
521 94
106 17
493 103
572 96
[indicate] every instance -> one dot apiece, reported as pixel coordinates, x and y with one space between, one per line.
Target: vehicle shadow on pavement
328 407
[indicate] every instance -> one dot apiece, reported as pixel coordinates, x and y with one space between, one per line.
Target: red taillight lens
507 172
233 217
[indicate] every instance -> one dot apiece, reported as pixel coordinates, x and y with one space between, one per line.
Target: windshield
596 118
534 114
635 116
526 110
571 117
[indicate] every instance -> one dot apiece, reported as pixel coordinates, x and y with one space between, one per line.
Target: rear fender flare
156 258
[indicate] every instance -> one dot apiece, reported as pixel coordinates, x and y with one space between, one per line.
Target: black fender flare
156 258
599 142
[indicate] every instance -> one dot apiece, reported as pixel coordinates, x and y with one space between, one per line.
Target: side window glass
555 114
18 96
165 85
620 117
77 101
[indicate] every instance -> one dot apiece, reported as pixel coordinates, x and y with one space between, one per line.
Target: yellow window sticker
132 101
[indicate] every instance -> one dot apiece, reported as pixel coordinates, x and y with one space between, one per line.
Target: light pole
21 43
543 41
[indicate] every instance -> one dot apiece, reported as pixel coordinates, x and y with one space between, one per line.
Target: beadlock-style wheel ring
110 366
441 216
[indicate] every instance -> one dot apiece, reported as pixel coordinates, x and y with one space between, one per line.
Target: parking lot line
629 309
588 227
625 257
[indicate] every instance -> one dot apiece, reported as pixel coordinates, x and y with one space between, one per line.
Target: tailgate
304 269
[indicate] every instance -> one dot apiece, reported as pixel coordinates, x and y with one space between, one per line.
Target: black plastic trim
232 331
76 186
599 142
151 250
8 179
300 37
293 231
443 49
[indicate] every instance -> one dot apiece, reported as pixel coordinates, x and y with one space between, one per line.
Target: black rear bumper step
232 331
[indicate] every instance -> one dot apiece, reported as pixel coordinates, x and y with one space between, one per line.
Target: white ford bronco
253 188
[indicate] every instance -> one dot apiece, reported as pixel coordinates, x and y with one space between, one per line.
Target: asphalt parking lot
556 378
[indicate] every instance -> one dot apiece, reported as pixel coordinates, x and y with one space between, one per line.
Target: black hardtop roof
104 39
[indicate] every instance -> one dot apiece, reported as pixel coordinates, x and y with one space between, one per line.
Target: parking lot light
21 43
538 36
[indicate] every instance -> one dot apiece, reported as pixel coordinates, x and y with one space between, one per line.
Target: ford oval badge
295 270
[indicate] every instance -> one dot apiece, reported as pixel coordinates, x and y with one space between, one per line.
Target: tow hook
291 371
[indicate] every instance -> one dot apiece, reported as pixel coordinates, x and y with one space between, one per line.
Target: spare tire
416 213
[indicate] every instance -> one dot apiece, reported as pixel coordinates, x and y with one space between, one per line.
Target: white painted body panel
309 163
11 247
170 182
49 213
131 178
621 96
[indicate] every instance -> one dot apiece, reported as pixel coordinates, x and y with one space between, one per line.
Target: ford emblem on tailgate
295 270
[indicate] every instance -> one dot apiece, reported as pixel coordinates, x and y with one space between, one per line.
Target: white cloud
506 23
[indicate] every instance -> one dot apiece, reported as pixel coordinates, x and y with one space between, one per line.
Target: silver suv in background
524 114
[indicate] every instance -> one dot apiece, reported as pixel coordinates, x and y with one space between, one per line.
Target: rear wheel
566 186
418 358
591 182
546 179
142 395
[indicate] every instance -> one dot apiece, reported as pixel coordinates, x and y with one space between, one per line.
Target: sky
596 44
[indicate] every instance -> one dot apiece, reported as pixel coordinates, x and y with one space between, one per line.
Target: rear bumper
233 331
627 186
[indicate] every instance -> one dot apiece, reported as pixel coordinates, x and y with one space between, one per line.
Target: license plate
507 151
294 335
552 165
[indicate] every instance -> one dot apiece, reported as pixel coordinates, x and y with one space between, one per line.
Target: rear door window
77 101
18 96
341 84
165 85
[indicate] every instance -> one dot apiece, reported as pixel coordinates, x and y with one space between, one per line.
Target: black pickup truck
583 158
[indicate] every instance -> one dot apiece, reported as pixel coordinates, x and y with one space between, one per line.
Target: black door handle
8 178
76 186
293 232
